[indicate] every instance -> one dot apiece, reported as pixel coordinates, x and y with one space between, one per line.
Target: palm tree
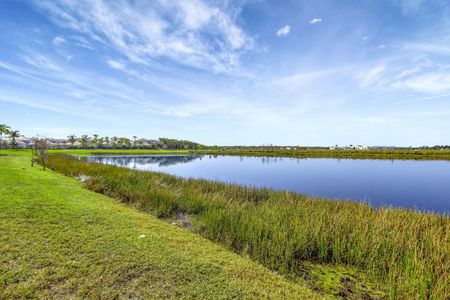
101 140
94 140
114 141
124 142
134 141
84 141
4 129
107 140
14 134
72 139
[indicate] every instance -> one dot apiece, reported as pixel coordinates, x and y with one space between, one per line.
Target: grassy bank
327 153
59 240
407 252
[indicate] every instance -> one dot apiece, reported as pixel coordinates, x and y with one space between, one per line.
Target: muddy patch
183 220
83 178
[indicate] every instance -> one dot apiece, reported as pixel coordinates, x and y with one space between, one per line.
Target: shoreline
298 227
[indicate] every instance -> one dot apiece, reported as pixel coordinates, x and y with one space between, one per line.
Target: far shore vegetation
405 253
95 144
434 153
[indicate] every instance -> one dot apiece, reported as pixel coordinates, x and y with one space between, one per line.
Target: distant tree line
97 142
10 138
179 144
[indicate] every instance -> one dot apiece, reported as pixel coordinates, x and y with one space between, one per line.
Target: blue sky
229 72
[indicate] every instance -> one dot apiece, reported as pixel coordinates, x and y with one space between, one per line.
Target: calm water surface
423 185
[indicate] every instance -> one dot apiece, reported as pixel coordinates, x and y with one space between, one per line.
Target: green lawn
60 240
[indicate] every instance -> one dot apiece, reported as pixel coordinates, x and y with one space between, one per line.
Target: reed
408 252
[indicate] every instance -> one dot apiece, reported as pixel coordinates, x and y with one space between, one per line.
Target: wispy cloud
417 75
431 82
369 78
190 32
302 79
116 64
79 91
283 31
82 42
58 40
315 21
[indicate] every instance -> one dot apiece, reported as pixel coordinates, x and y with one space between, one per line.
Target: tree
94 140
100 142
134 141
84 141
178 144
4 129
14 134
124 142
114 141
40 152
72 139
106 139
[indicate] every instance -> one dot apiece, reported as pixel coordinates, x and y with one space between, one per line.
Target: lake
422 185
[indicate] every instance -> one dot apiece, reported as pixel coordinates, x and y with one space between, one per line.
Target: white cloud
58 41
302 79
69 84
190 32
284 31
315 21
116 64
431 82
82 42
368 78
418 75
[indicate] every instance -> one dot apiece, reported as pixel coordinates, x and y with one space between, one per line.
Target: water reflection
413 184
136 162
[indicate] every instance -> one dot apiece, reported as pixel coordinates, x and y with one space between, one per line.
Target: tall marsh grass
408 252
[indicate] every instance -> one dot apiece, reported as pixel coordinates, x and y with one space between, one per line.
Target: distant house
57 143
360 147
146 143
350 147
24 143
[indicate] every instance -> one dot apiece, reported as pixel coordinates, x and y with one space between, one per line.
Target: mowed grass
407 252
59 240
